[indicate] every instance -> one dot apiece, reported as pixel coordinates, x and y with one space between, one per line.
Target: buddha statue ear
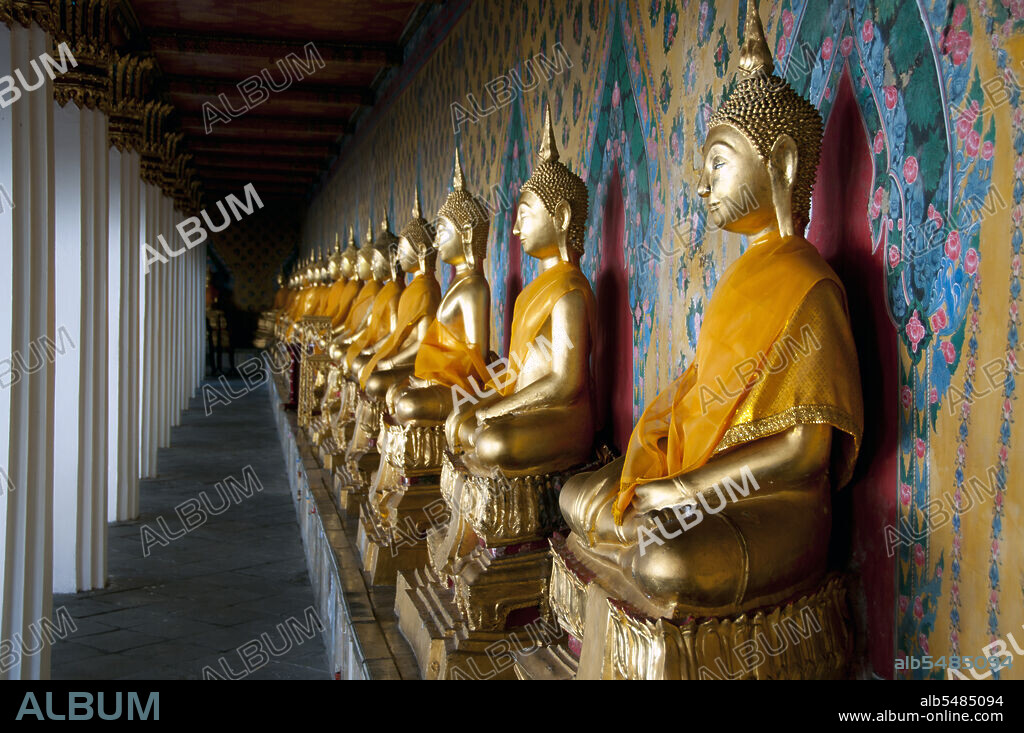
782 168
467 244
561 218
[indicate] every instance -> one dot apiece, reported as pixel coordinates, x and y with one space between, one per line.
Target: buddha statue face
541 233
347 267
364 265
736 183
451 243
408 258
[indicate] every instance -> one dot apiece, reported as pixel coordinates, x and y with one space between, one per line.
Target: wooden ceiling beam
383 54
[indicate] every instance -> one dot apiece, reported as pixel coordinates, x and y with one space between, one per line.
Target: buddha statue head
334 261
763 146
349 257
415 242
307 271
552 215
463 225
376 254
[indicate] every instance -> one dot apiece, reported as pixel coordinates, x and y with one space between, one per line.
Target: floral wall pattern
938 89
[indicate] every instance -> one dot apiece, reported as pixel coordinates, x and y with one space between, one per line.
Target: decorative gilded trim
809 638
798 415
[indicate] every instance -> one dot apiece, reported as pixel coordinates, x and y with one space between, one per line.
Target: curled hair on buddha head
464 209
418 231
763 107
552 181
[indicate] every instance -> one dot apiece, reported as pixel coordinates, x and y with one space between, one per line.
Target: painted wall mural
632 84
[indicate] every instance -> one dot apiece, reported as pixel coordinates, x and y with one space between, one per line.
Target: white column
80 433
163 318
67 145
149 415
26 140
93 408
130 339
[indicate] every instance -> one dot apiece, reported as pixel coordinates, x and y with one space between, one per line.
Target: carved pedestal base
361 456
404 501
486 584
808 637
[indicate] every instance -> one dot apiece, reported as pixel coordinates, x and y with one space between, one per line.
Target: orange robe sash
340 300
361 306
748 311
418 301
380 322
448 359
533 308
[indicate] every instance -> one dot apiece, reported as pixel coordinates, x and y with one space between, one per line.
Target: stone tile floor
232 579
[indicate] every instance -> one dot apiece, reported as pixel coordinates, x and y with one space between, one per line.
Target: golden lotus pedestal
352 478
486 581
337 427
404 501
808 637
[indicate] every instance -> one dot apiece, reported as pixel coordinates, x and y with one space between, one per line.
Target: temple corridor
197 599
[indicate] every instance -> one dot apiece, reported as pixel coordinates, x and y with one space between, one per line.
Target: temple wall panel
631 86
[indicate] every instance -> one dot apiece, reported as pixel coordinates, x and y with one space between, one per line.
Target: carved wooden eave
132 78
26 12
84 25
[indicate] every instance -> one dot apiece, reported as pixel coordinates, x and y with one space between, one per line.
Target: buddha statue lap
404 499
510 452
712 532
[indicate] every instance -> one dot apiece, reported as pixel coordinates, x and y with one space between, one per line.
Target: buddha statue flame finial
417 231
458 180
763 107
552 182
548 146
755 55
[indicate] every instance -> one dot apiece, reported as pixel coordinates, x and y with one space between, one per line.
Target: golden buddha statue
641 547
541 416
389 361
455 348
344 286
337 406
511 451
405 493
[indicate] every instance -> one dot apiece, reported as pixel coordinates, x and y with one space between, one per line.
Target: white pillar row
26 140
125 240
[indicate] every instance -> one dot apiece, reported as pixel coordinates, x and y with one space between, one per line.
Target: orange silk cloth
280 298
339 299
361 306
448 359
380 321
532 310
419 300
750 308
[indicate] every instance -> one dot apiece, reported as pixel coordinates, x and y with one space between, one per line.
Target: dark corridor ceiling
206 48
